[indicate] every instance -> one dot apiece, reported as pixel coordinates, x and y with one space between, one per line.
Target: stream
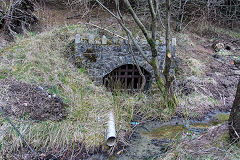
152 139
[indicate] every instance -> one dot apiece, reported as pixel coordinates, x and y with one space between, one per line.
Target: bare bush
220 12
17 16
74 4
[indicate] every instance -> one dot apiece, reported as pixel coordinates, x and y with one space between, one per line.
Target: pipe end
111 141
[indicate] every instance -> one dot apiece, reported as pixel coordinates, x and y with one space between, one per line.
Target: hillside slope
34 66
38 66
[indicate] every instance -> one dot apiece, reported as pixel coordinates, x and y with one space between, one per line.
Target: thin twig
138 67
6 117
131 51
127 31
137 20
235 131
94 25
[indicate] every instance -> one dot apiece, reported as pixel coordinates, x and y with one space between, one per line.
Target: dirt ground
209 145
203 144
218 81
215 86
30 101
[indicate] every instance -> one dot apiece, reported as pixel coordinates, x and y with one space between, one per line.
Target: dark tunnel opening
126 77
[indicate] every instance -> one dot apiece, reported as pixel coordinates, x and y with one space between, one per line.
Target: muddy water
152 139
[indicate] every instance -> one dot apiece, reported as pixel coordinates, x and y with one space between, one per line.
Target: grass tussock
197 67
39 59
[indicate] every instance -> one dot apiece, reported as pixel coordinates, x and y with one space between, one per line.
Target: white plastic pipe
111 131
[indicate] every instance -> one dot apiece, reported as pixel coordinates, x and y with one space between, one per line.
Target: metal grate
125 77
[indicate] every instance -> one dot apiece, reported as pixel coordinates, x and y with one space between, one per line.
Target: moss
168 131
215 101
201 125
224 53
82 70
220 118
196 66
4 72
109 42
223 117
225 137
177 70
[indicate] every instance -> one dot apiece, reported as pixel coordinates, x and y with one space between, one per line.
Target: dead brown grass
40 60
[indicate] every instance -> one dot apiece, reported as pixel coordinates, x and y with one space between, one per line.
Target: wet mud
153 139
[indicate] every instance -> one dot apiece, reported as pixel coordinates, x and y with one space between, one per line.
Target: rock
218 46
77 38
91 38
104 39
162 40
40 87
237 72
236 63
115 40
97 42
101 60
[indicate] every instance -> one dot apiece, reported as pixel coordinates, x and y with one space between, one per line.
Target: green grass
4 72
228 32
39 59
224 53
197 67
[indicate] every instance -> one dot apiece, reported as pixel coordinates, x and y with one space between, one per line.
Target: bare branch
138 67
127 31
153 14
135 43
118 9
100 3
156 5
235 131
137 20
104 29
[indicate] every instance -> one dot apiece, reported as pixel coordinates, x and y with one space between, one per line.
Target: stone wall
102 56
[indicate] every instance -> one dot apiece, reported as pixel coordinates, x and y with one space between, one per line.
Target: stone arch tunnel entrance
126 77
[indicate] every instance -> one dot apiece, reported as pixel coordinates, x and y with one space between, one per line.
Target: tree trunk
234 119
169 96
163 82
168 53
